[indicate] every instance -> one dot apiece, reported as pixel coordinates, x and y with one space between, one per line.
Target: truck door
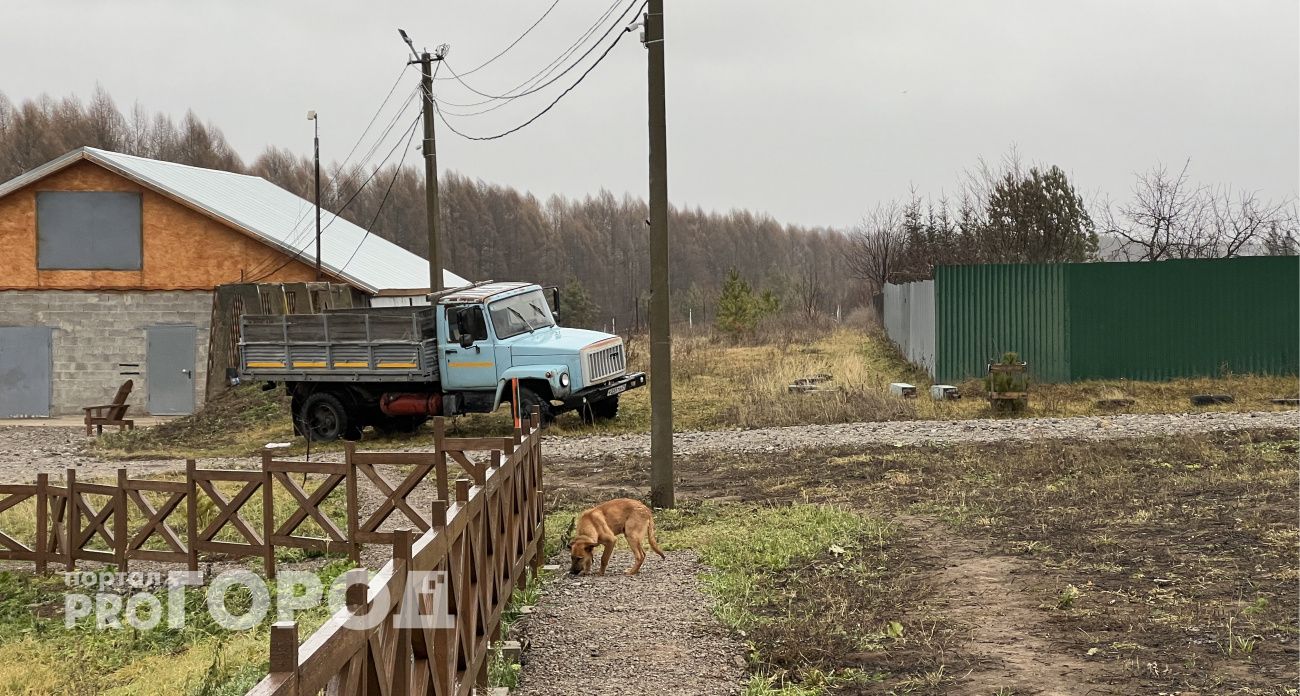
467 359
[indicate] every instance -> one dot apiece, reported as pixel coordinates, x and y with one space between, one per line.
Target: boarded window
93 230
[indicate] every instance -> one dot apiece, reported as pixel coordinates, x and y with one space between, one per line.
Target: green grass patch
39 654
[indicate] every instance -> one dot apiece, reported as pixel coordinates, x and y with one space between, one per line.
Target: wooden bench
111 414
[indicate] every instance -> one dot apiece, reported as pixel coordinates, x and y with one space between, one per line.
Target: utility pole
426 60
661 341
311 116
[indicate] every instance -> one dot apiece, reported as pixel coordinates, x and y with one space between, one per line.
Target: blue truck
394 367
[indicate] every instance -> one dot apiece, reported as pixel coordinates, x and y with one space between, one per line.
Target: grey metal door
170 371
25 371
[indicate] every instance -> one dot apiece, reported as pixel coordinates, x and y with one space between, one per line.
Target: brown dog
601 525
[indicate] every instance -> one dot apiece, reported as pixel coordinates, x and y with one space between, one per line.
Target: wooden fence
484 542
115 523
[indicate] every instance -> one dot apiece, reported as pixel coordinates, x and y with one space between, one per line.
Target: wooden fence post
191 516
268 515
401 666
444 673
74 519
284 652
353 511
119 521
42 520
440 457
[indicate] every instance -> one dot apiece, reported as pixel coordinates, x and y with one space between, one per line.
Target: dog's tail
654 544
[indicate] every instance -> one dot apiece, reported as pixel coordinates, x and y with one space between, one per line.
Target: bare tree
1166 212
1172 218
877 245
1282 238
1239 223
808 288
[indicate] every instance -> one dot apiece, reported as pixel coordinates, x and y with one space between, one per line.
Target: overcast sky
811 111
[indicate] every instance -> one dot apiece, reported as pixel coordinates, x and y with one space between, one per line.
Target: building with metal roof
111 261
278 218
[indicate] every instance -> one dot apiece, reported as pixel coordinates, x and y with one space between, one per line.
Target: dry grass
717 385
1167 563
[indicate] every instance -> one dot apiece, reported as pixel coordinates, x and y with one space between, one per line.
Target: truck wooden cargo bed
346 346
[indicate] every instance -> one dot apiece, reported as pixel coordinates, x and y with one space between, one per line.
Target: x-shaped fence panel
202 485
277 475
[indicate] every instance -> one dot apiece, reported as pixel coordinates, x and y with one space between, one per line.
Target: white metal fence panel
909 321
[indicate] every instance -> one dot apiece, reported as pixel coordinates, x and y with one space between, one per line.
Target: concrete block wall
95 333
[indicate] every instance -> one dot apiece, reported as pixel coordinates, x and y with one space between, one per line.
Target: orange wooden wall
183 249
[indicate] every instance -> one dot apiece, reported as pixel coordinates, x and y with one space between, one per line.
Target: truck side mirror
466 340
555 303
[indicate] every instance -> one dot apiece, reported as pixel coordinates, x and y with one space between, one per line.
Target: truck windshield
521 313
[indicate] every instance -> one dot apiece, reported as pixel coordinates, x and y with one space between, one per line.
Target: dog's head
580 551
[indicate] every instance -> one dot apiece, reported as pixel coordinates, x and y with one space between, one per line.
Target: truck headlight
564 380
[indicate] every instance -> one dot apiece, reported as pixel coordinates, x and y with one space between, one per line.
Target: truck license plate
616 390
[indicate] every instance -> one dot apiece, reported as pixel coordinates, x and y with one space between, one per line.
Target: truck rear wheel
603 410
324 418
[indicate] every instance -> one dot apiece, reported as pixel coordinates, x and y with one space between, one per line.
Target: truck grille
601 364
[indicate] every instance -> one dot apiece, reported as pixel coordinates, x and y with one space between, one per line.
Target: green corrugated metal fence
1146 321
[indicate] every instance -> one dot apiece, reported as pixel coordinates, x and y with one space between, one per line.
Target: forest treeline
596 246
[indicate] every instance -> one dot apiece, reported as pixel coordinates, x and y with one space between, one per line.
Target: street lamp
311 116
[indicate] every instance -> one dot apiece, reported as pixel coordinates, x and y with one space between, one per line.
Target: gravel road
919 432
26 451
618 634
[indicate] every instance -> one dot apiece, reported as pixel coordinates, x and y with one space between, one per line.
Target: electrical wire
571 87
299 252
299 230
574 64
505 50
396 172
551 67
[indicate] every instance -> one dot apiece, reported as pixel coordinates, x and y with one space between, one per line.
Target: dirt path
617 634
1007 632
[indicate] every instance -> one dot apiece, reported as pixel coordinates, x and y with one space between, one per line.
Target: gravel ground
26 451
919 432
618 634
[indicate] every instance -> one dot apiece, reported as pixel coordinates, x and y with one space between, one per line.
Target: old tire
529 400
603 410
324 418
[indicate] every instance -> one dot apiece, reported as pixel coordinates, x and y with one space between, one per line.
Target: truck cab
469 352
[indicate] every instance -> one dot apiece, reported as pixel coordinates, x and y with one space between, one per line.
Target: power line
298 252
553 80
505 50
553 102
396 172
297 231
551 67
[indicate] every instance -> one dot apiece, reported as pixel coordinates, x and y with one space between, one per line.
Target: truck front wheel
529 400
324 418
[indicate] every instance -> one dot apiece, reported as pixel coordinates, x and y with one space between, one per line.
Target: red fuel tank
406 404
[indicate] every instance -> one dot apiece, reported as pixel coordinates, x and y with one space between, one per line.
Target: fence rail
140 519
484 542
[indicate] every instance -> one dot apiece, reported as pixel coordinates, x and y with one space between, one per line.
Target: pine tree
576 307
737 308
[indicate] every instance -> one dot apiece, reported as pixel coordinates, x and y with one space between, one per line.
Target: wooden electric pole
661 341
426 60
430 172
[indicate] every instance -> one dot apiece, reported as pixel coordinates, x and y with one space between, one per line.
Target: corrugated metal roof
478 293
269 213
